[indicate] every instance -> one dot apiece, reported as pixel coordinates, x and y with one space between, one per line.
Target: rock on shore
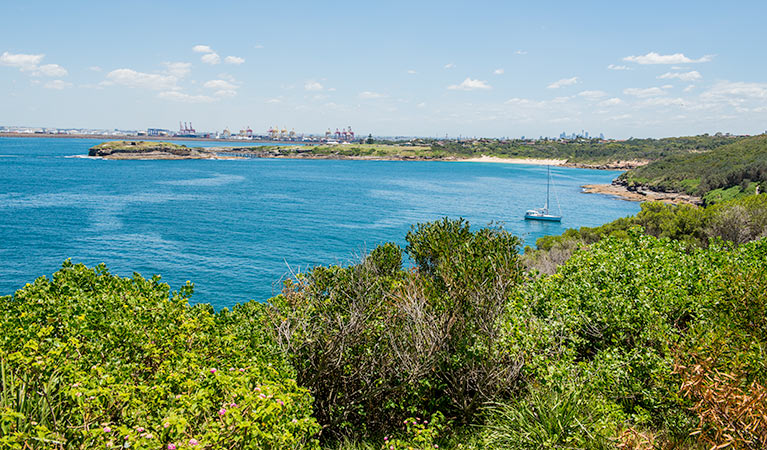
147 150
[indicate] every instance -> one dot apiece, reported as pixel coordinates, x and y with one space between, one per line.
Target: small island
148 150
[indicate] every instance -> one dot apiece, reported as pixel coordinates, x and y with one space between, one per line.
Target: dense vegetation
652 333
587 151
720 174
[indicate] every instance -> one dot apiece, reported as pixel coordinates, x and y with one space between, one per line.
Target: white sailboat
544 213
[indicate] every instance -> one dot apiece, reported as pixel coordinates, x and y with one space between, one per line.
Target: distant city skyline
397 69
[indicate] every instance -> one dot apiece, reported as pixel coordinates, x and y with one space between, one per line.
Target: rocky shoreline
640 195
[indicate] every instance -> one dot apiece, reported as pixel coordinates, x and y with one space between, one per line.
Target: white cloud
258 46
274 100
592 95
211 58
656 58
412 72
312 85
95 68
498 72
470 85
50 70
736 92
563 82
134 79
520 52
684 76
185 98
234 60
663 101
225 93
641 93
611 102
220 84
421 105
689 88
449 66
178 69
202 49
614 67
368 95
57 84
20 61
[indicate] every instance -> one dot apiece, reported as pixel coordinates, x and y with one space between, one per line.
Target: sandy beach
532 161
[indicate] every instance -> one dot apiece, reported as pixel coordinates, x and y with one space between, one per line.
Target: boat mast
548 184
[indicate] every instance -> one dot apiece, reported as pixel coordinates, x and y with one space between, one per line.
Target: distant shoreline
151 138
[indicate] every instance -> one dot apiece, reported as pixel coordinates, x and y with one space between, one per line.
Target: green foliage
550 417
417 435
729 170
586 151
90 359
375 343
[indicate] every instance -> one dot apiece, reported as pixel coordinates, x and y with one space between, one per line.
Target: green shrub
90 359
376 344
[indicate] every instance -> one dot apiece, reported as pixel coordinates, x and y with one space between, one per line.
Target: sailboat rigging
543 213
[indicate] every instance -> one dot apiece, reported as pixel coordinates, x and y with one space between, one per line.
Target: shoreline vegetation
647 332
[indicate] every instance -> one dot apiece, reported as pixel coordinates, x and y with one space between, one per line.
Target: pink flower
231 369
213 370
171 446
262 396
178 396
140 429
242 370
221 412
194 442
107 430
425 422
258 389
280 402
233 405
166 425
294 420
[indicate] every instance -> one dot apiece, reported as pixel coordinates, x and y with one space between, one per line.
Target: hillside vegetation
634 341
725 172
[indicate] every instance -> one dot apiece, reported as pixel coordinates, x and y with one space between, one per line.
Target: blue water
236 228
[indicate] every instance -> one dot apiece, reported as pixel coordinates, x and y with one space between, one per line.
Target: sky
395 68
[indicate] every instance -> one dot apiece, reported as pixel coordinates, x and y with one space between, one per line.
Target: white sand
494 159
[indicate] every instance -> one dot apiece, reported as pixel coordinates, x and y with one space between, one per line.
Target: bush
376 344
90 359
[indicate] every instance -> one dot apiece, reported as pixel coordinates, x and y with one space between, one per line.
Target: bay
236 228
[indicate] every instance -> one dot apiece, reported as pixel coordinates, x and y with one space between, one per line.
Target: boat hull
547 218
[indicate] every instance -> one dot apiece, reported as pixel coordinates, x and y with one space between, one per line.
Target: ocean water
236 228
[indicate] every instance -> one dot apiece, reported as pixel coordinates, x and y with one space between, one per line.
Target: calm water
235 228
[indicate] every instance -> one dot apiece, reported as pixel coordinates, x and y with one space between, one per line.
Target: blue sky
648 69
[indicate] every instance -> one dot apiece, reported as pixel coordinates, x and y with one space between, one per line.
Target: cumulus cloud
736 92
498 71
20 61
50 70
563 82
185 98
312 85
220 84
684 76
656 58
178 69
210 58
648 92
57 84
202 49
469 85
234 60
412 72
611 102
225 93
592 95
134 79
449 66
614 67
368 95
